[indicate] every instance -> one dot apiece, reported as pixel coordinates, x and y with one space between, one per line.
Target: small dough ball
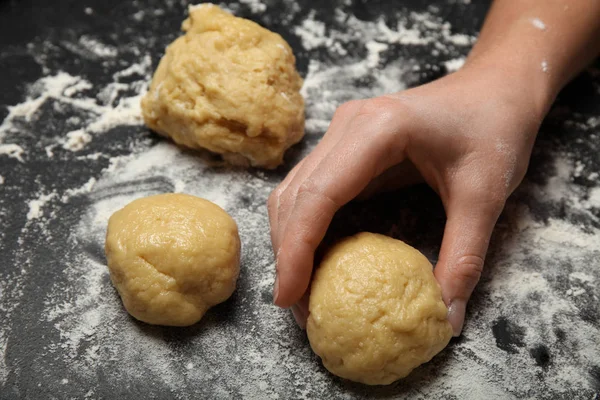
376 310
172 257
230 86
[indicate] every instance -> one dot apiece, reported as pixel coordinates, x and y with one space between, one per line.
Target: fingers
281 200
467 234
300 311
339 177
273 205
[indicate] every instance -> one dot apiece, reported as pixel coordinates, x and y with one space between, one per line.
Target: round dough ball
230 86
172 257
376 310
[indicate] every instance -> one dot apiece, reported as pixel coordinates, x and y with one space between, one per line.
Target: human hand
470 137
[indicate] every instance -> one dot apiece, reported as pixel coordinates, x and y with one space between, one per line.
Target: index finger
338 178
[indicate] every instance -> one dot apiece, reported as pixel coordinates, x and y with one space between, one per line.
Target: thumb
466 238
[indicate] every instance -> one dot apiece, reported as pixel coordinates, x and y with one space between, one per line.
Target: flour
114 109
76 140
374 48
328 86
45 88
256 6
425 29
544 65
312 33
86 188
36 205
98 48
12 150
3 347
139 16
455 64
538 23
81 85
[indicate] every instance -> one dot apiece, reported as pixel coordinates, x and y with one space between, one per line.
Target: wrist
524 81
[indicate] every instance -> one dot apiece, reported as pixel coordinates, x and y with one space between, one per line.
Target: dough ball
376 310
172 257
230 86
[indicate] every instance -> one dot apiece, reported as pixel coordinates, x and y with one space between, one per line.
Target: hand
470 136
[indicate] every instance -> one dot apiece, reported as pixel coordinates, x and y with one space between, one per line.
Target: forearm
541 43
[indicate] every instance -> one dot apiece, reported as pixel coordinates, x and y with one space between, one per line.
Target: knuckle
388 114
494 200
346 108
468 268
376 105
310 188
487 195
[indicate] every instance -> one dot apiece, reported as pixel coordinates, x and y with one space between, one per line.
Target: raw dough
376 310
171 257
230 86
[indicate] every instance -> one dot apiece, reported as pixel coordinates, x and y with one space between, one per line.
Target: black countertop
73 150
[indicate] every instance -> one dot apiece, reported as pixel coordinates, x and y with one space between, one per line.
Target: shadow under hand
414 215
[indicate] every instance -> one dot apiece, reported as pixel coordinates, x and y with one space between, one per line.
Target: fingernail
298 316
456 315
276 289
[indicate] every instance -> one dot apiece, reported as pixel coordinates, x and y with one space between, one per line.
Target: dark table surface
73 150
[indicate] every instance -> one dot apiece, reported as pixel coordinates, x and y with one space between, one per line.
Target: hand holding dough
376 310
172 257
230 86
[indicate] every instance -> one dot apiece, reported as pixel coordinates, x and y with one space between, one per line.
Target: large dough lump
376 310
171 257
230 86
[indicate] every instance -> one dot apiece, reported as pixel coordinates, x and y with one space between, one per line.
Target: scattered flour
544 66
328 86
312 33
12 150
256 6
78 87
538 23
594 198
374 48
455 64
98 48
3 346
49 87
76 140
139 16
110 108
36 205
415 29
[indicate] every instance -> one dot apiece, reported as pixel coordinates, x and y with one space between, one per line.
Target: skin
468 135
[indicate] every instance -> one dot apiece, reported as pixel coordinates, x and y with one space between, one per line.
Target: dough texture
171 257
376 310
230 86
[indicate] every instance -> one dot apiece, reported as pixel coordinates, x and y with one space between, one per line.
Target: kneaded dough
376 310
172 257
230 86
